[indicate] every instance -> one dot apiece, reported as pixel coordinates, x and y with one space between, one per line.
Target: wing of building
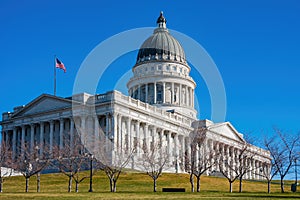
160 107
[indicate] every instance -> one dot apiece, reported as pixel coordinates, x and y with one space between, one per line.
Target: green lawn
139 186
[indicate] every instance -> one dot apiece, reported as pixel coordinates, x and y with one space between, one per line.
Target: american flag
60 65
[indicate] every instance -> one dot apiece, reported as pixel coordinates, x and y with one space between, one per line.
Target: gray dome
161 46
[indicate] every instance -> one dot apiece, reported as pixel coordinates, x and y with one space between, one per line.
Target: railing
118 96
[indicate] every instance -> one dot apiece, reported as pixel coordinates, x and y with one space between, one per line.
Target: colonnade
164 93
215 150
126 133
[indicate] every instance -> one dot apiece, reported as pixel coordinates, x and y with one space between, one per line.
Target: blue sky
255 45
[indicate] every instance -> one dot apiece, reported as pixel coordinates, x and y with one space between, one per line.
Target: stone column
23 139
31 137
115 129
139 92
154 93
137 129
41 138
146 93
186 96
71 133
169 144
173 93
146 138
14 141
129 137
164 92
51 136
96 136
176 152
192 97
180 94
61 133
154 137
120 136
107 124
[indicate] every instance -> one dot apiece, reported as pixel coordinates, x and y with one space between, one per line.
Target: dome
161 46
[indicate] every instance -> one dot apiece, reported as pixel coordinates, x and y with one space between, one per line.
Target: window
168 67
159 67
174 68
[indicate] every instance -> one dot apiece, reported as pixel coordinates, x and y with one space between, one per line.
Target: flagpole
54 93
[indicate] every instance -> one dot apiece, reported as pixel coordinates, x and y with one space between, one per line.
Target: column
182 151
193 98
188 148
139 92
146 138
41 138
154 138
120 136
146 96
186 95
169 145
96 133
180 94
14 141
114 127
71 133
129 139
137 129
31 137
155 93
176 152
23 139
107 124
61 131
51 136
173 93
164 92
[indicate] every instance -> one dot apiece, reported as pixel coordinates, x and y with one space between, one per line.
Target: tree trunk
76 186
198 183
154 184
281 185
38 182
269 187
230 186
70 184
115 186
241 184
1 183
26 184
192 182
111 184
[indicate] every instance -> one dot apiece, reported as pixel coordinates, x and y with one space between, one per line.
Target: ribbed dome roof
161 46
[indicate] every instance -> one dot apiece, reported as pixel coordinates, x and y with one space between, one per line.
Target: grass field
139 186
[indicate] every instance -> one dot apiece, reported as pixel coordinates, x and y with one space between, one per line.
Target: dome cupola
161 46
161 73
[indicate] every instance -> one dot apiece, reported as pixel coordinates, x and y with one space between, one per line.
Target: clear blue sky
255 45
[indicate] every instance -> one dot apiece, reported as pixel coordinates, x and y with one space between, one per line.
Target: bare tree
153 161
201 159
6 169
30 162
71 159
268 171
237 165
283 150
110 158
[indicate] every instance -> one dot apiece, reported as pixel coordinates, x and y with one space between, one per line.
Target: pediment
227 130
44 103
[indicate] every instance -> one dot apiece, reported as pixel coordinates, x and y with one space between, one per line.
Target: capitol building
159 107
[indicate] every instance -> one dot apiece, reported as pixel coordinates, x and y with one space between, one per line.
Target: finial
161 20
